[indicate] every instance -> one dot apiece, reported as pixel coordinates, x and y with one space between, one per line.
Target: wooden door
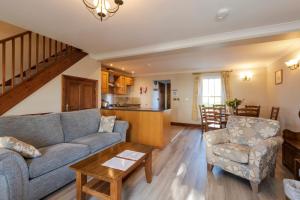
162 95
79 93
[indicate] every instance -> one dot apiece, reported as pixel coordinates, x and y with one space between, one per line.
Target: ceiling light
123 68
293 64
111 64
103 9
246 76
222 14
132 72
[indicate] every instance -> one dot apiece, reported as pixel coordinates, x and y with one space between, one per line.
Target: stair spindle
55 49
29 56
44 48
3 66
50 48
37 52
22 58
13 63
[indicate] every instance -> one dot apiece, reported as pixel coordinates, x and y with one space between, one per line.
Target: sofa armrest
216 137
121 127
262 158
14 176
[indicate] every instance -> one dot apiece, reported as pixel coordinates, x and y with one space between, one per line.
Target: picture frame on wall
279 77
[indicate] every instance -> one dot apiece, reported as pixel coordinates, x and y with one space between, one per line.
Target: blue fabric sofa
62 138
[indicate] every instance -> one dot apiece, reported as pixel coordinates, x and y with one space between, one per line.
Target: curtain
225 76
195 108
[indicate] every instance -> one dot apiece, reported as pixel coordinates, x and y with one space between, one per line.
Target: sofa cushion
37 130
98 141
54 157
234 152
251 130
80 123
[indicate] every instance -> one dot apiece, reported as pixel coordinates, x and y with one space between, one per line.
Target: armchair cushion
250 130
234 152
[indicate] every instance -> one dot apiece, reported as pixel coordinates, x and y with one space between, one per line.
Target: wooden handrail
15 36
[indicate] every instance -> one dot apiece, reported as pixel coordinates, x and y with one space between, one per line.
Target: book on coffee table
131 155
118 163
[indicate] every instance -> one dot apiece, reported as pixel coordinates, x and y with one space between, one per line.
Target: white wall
286 95
252 92
48 98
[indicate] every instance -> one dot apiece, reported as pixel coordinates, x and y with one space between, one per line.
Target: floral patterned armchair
246 148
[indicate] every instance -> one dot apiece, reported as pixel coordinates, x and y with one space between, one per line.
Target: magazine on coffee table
131 155
118 163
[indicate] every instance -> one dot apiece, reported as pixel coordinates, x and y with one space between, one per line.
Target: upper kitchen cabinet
115 82
129 81
104 82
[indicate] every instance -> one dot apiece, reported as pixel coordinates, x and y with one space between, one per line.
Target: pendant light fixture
103 9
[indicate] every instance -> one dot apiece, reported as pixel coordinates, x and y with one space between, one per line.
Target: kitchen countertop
135 109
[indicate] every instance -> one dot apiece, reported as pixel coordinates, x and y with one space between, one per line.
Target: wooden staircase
29 61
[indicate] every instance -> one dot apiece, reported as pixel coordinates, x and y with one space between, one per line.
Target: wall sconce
293 64
246 76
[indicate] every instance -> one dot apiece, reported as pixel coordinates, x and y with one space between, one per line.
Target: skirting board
185 124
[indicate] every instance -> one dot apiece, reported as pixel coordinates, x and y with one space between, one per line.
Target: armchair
246 148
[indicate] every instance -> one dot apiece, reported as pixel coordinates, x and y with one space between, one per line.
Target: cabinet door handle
67 107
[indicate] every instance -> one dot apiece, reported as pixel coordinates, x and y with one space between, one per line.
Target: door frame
76 78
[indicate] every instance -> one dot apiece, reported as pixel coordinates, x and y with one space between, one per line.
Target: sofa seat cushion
98 141
54 157
234 152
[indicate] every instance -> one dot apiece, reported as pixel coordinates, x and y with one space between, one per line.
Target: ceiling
163 36
209 58
144 26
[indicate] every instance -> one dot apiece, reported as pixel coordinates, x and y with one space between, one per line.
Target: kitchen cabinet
120 85
129 81
104 82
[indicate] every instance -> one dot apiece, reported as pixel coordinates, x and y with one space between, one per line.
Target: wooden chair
224 117
254 108
202 117
249 111
274 113
213 118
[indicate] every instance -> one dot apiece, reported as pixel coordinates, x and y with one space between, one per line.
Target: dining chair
223 112
202 118
255 108
274 113
247 112
213 118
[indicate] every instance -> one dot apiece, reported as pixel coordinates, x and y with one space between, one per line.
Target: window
211 92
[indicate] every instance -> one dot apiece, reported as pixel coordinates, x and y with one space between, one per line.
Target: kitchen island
147 126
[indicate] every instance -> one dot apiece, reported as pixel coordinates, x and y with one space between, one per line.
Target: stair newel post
3 67
44 48
22 58
37 52
29 55
13 63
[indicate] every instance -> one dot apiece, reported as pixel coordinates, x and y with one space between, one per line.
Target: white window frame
201 85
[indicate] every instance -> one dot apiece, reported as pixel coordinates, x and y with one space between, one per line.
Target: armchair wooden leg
210 167
254 186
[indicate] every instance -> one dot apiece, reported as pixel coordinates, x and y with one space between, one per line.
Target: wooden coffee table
106 183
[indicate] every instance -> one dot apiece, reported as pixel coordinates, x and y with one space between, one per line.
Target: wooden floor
180 174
